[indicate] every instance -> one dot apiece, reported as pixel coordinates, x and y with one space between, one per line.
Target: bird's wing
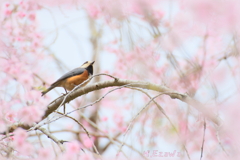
74 72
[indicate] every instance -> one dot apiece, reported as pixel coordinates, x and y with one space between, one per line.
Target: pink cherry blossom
32 16
30 114
21 14
104 118
7 4
20 136
45 153
191 47
93 10
8 12
73 148
11 116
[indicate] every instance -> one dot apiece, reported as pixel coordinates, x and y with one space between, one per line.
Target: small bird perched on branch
73 78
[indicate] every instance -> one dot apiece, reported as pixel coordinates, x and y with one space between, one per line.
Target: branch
133 119
140 84
62 100
94 147
49 135
164 113
204 130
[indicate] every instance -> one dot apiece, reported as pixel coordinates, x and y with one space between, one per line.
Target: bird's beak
92 62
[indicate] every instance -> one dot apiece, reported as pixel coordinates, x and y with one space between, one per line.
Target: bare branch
140 84
204 130
94 147
134 118
77 92
163 112
49 135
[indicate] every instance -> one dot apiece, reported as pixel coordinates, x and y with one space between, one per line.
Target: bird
73 78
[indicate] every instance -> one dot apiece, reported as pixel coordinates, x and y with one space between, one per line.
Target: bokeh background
191 47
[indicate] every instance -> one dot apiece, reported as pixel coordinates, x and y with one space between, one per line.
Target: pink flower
25 149
158 15
118 119
105 118
135 8
44 153
19 39
20 143
10 116
8 12
38 35
33 95
73 147
32 16
7 4
26 80
86 141
20 136
30 114
93 11
36 44
123 129
21 14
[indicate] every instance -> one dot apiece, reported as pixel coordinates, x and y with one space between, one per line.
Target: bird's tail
47 90
50 88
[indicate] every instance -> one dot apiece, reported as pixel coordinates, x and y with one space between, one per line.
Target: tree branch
131 83
140 84
49 135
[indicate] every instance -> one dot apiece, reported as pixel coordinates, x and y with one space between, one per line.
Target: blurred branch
134 118
152 99
220 143
111 139
94 147
95 41
204 131
80 124
49 135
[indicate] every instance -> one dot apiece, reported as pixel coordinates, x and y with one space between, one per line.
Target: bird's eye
85 62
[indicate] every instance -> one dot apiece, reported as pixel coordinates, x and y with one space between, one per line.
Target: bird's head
87 64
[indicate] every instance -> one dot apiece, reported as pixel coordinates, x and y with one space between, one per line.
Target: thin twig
134 118
164 113
204 130
94 147
49 135
220 143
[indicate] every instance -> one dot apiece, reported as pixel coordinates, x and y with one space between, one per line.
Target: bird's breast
73 81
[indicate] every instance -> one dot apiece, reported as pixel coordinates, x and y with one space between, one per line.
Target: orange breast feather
71 82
